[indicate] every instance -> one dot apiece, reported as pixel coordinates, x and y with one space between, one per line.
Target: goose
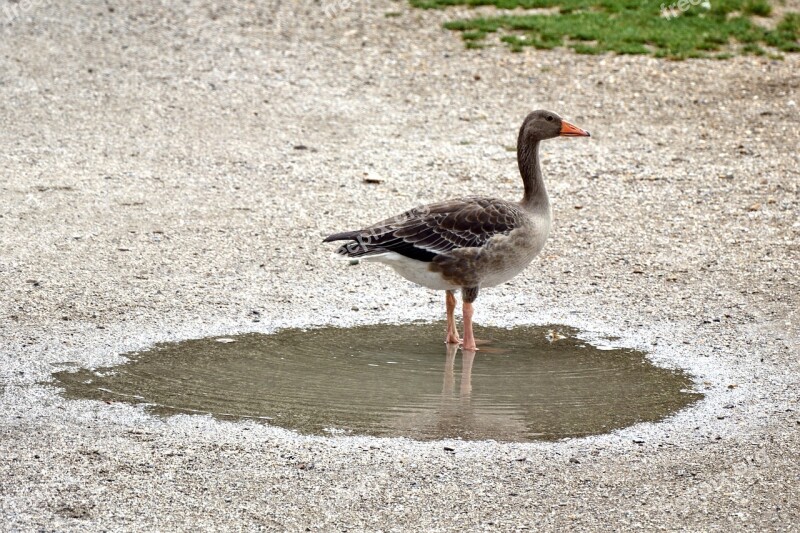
467 243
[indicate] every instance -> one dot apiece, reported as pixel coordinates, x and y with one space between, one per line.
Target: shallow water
527 383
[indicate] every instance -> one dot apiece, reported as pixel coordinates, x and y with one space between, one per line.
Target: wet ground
526 383
155 189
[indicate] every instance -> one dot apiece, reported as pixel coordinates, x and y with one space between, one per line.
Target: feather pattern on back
427 232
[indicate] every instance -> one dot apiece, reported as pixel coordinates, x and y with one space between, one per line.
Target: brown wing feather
426 232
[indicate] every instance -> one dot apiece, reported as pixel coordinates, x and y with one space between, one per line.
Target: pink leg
469 337
452 330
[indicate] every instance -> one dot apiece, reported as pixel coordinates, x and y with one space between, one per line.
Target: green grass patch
758 7
685 29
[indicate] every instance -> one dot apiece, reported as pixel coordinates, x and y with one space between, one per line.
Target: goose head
540 125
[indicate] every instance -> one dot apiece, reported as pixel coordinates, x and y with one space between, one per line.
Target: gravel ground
152 189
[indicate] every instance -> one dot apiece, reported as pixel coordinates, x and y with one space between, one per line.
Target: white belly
414 271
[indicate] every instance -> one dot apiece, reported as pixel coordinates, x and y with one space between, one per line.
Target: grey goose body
471 242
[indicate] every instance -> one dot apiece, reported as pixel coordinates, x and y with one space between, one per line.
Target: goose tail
343 236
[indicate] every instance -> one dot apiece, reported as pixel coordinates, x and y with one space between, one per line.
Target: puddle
528 383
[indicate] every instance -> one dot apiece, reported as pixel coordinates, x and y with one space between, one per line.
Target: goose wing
423 233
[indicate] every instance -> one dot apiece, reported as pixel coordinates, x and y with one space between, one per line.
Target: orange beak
568 130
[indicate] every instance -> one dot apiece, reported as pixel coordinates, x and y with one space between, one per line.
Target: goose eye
549 118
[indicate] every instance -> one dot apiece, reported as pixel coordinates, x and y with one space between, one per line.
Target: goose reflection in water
448 386
460 414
